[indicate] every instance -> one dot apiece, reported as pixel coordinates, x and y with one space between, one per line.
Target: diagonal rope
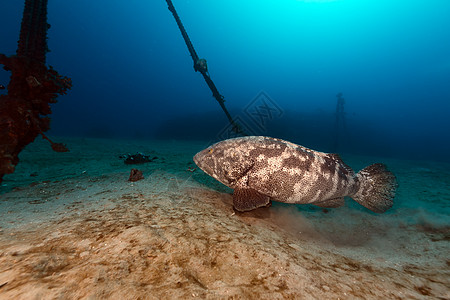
201 66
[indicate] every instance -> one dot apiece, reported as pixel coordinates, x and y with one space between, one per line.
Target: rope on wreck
201 66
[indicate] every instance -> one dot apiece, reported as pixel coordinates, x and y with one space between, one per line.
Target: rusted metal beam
32 88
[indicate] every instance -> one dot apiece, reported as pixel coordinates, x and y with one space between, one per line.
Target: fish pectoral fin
330 203
246 199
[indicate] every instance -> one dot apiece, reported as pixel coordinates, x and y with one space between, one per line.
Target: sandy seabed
73 227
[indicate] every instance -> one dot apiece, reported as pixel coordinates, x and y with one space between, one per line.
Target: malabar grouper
261 169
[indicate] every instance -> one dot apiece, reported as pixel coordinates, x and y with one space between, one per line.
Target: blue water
280 65
133 77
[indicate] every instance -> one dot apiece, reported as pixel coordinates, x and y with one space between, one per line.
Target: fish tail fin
377 188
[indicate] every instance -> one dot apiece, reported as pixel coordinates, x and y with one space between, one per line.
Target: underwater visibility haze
132 74
367 79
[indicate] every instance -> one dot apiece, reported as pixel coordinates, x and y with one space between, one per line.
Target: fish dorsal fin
334 156
338 160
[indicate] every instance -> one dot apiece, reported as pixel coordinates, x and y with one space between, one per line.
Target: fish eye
211 151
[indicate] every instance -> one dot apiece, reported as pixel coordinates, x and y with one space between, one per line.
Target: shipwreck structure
32 88
340 125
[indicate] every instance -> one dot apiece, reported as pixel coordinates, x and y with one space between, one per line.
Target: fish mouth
195 158
198 158
199 161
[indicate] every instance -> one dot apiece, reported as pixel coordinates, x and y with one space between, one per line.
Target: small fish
261 169
2 87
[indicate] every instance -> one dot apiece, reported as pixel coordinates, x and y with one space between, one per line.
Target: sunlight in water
316 1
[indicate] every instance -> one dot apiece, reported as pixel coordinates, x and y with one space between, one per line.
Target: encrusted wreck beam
34 26
32 87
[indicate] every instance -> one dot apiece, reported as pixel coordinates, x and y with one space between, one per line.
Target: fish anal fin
330 203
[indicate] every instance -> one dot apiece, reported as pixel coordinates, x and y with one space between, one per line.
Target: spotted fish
261 169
